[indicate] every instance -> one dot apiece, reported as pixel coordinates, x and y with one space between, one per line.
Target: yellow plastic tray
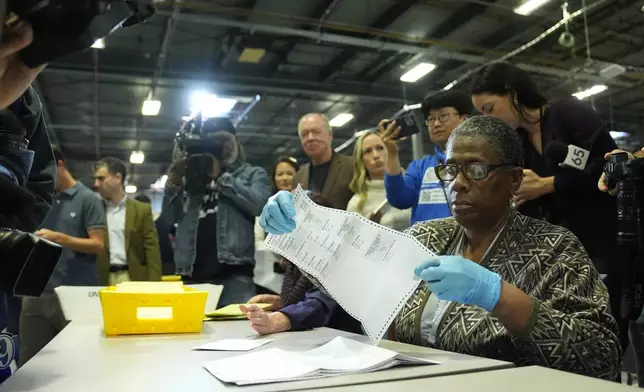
134 313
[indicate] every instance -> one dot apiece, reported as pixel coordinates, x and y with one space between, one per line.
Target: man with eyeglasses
418 187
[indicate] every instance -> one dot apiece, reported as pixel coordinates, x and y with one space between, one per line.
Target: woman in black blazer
563 196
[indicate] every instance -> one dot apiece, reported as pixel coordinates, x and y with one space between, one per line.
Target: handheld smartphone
382 208
407 124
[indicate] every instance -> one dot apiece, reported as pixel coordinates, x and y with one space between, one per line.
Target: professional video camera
201 145
627 175
62 27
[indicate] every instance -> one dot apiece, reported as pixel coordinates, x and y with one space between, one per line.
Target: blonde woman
368 186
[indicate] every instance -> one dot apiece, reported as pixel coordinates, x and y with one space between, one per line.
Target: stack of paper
232 312
234 345
353 258
341 356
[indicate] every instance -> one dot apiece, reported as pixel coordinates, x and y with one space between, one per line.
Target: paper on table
367 268
260 367
338 357
234 345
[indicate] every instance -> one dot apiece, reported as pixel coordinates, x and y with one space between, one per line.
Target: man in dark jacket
27 167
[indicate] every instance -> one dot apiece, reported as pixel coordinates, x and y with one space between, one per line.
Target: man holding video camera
213 196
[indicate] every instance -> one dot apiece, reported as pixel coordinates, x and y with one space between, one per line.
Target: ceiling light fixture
619 134
449 86
529 6
130 189
137 157
341 120
151 107
99 44
596 89
209 105
417 72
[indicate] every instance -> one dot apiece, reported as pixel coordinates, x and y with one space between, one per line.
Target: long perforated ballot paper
367 268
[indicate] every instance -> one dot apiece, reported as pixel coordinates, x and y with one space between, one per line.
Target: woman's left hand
533 187
266 323
454 278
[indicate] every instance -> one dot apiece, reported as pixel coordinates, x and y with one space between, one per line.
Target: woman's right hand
278 215
602 184
272 299
389 136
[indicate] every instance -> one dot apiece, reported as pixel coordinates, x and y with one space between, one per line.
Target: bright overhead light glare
529 6
619 134
341 119
449 86
596 89
99 44
209 105
417 72
151 107
137 157
130 189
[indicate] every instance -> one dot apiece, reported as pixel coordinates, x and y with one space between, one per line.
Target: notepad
234 345
233 312
341 356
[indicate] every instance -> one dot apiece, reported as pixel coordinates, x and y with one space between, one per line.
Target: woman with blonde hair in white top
368 186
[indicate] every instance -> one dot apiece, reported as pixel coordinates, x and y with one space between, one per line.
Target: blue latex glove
278 214
454 278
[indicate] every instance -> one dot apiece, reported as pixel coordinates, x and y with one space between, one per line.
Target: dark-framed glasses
443 118
472 170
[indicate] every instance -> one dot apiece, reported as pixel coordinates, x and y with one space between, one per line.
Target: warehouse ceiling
280 59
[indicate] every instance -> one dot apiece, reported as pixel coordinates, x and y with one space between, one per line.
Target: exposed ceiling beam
320 10
455 21
380 45
253 85
386 18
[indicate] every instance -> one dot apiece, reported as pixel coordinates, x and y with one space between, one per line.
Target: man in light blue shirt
418 187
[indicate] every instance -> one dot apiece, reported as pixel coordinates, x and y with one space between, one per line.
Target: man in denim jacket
214 227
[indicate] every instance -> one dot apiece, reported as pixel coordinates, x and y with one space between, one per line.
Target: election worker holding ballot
493 282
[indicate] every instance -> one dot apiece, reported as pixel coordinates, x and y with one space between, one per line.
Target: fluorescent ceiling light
449 86
151 107
99 44
209 105
619 135
596 89
341 119
251 55
529 6
137 157
417 72
130 189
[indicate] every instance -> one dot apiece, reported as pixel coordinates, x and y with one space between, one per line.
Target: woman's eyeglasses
443 118
473 171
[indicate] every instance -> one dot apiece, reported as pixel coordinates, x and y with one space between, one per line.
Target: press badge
431 191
